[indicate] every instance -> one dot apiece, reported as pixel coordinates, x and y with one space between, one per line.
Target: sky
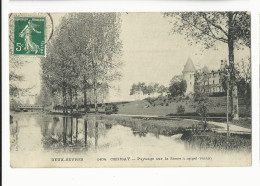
151 53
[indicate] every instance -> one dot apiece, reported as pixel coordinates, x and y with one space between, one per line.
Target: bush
111 109
180 109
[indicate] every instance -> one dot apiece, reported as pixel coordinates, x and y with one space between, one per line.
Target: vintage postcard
126 89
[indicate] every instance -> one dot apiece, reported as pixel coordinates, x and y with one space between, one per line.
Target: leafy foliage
178 88
202 105
208 27
147 89
83 58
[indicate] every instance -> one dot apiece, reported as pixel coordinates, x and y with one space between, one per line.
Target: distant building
188 74
207 81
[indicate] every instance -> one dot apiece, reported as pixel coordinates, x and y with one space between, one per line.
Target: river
39 140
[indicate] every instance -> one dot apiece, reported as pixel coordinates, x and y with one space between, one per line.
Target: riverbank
164 127
241 125
43 136
192 131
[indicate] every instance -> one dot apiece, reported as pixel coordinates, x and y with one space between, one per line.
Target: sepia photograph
130 89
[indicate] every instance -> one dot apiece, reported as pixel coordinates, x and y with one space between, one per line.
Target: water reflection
75 134
71 134
14 136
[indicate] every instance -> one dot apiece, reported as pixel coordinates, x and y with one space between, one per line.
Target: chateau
200 78
207 81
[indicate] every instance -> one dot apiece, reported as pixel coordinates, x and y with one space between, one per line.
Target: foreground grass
243 122
212 140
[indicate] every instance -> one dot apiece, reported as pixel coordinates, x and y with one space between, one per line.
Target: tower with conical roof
189 75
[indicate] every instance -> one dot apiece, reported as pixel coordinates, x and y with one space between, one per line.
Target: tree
46 97
136 88
133 89
162 89
155 87
177 78
15 80
201 103
178 88
149 89
84 55
104 48
141 86
207 28
243 76
103 90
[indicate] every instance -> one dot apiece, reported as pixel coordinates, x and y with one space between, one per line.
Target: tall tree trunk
66 102
233 87
86 131
71 129
235 103
77 127
85 93
94 65
95 97
96 134
64 98
71 97
77 104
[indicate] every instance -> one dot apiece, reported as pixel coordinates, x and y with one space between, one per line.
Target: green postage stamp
29 36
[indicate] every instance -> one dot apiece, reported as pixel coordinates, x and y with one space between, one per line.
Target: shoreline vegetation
192 132
153 107
157 107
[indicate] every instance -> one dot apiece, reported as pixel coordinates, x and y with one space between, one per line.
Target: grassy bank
163 127
243 122
212 140
163 106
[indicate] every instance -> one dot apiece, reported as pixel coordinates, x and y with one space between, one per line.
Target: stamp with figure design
29 36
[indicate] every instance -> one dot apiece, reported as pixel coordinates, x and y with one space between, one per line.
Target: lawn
163 106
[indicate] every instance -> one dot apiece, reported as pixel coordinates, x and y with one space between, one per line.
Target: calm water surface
33 133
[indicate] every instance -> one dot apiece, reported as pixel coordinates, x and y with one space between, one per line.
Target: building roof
189 66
